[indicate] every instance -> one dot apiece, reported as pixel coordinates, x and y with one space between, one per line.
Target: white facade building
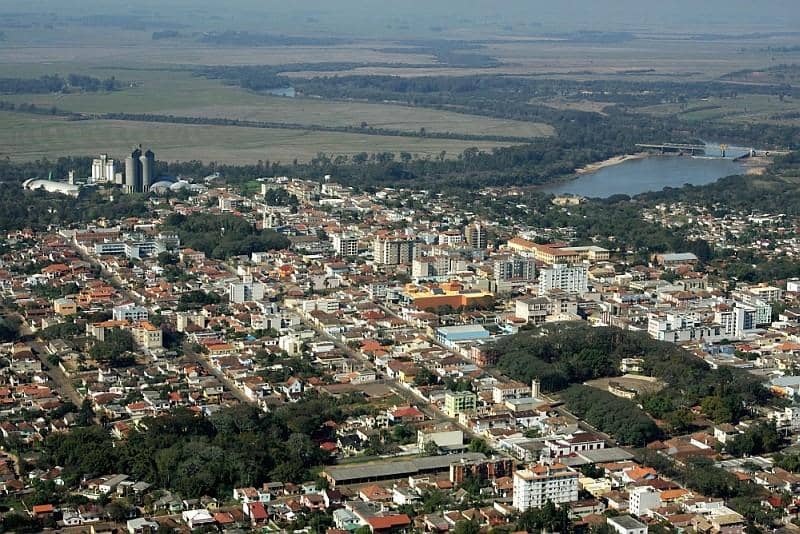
246 291
625 524
642 500
569 278
130 312
103 170
535 486
345 244
678 327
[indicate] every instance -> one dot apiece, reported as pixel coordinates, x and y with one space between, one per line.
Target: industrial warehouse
139 176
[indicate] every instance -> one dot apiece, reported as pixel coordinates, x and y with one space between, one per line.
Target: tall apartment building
737 320
345 244
569 278
534 486
246 291
514 269
458 402
476 236
394 250
103 170
439 266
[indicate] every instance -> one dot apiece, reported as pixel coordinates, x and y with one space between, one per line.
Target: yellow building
458 402
450 294
65 307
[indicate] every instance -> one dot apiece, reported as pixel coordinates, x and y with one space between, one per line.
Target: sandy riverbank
594 167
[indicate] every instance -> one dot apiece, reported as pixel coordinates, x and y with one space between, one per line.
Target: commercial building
476 236
450 336
451 294
569 278
394 469
534 486
394 250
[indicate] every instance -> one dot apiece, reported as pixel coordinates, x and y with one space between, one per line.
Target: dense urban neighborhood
296 355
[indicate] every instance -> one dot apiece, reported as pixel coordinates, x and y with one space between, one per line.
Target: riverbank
617 160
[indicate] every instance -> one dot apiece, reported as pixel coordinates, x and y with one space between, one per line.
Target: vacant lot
642 385
26 137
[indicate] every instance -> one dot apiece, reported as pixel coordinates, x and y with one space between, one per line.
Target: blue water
650 174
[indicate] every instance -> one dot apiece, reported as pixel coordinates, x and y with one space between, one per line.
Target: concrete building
345 244
246 291
394 250
450 336
569 278
139 171
679 327
625 524
439 267
103 170
445 437
65 306
642 500
476 236
514 269
130 312
458 402
534 486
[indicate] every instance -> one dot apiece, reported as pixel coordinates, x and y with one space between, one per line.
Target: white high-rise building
534 486
246 291
569 278
103 170
345 244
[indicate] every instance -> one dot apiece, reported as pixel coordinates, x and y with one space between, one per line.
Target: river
649 174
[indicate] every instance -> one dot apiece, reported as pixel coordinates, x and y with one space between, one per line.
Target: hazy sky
374 16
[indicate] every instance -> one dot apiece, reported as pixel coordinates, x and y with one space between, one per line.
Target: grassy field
180 93
26 137
743 108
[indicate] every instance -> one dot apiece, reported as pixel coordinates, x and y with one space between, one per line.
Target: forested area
619 417
38 210
562 355
195 456
55 83
223 236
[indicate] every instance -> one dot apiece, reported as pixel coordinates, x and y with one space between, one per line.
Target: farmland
24 137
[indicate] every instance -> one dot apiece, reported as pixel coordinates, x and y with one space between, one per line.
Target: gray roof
627 522
388 469
611 454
